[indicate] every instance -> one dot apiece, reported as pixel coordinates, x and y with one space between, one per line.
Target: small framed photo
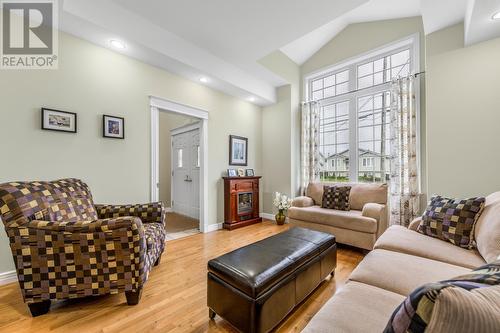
241 173
232 173
238 150
113 127
249 172
62 121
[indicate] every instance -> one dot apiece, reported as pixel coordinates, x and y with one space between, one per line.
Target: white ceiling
224 39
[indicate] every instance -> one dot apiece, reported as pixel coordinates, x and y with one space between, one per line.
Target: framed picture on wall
238 150
62 121
113 127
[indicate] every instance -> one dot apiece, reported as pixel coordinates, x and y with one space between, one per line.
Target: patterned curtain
310 143
404 183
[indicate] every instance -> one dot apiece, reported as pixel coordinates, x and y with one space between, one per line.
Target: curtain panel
404 182
310 143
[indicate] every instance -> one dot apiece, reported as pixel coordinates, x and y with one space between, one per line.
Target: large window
355 114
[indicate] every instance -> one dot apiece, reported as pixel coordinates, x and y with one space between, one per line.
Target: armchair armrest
415 223
148 213
102 225
302 202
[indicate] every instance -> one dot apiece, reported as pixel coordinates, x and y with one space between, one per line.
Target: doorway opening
180 173
178 143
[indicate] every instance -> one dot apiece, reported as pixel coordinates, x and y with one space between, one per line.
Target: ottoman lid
255 268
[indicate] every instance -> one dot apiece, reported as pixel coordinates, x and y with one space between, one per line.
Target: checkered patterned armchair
64 246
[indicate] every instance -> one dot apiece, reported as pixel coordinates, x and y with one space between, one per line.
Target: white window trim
414 42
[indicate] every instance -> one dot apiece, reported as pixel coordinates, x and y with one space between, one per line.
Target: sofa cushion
487 230
401 273
352 220
356 307
472 301
452 220
400 239
360 194
336 197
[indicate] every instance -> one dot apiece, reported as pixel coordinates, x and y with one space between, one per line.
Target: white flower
281 201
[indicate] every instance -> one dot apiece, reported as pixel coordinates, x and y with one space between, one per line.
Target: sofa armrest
302 202
415 223
148 213
373 210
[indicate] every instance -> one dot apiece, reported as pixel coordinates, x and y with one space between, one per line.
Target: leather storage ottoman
256 286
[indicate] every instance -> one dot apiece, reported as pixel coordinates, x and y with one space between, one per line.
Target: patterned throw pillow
452 220
336 197
468 303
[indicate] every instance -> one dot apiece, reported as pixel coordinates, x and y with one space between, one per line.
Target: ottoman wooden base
255 287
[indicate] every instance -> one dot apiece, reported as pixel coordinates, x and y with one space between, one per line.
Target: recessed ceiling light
117 44
251 99
203 79
496 16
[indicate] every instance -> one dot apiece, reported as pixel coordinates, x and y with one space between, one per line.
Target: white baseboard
267 216
214 227
168 209
8 277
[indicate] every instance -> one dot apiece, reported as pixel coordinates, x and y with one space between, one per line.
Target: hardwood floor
174 298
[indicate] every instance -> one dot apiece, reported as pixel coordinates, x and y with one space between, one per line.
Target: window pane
179 158
329 92
378 78
317 84
343 88
198 156
378 65
365 69
334 142
317 95
365 82
400 58
343 77
329 81
372 128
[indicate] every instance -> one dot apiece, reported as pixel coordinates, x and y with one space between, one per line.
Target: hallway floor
180 226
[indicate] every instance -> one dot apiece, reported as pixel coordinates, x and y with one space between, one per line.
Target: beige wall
463 115
167 122
281 132
93 81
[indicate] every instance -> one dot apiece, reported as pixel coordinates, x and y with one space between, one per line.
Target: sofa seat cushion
352 220
404 240
356 307
402 273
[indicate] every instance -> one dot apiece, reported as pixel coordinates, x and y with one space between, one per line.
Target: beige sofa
360 227
401 261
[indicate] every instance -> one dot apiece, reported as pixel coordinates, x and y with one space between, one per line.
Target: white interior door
186 173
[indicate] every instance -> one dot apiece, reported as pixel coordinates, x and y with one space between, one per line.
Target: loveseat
403 260
360 226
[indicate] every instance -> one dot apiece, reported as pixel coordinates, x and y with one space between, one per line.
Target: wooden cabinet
241 201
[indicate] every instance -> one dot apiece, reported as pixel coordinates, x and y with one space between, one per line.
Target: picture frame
113 127
60 121
232 173
241 173
238 150
249 173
